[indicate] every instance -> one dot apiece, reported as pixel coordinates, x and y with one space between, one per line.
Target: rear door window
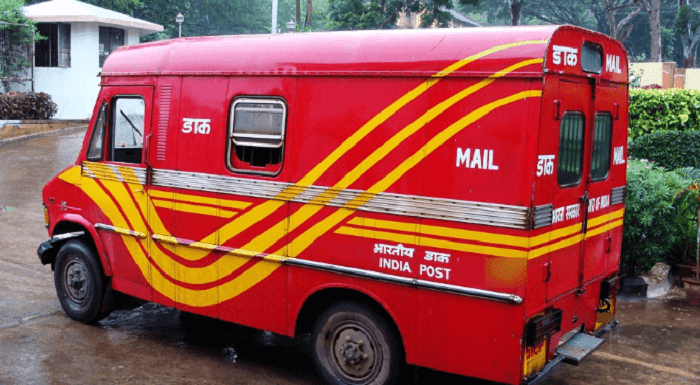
571 141
602 138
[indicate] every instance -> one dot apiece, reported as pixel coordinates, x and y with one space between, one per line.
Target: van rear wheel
79 282
355 345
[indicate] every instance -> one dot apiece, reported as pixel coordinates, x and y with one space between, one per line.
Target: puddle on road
216 339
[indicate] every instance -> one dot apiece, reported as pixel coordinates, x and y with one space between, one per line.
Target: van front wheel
355 345
79 282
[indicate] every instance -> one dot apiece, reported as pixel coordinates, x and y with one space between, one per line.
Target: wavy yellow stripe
315 173
300 243
261 270
195 209
260 212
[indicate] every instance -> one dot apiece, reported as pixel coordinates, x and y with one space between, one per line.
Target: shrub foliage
661 110
669 149
658 224
27 106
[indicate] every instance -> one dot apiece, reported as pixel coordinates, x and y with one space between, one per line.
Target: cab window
256 135
128 114
95 152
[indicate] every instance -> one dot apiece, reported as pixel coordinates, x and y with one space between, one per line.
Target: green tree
688 29
15 40
379 14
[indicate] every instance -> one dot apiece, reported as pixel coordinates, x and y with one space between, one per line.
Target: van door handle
138 190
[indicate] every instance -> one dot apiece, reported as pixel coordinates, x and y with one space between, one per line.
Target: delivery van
447 198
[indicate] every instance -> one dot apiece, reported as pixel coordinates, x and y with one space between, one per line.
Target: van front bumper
573 351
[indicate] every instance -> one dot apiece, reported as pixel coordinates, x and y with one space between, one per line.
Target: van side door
116 162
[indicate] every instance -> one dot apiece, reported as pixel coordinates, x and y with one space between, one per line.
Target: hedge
658 226
27 106
660 110
668 149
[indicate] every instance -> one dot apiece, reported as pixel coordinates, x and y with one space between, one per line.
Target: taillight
542 327
609 287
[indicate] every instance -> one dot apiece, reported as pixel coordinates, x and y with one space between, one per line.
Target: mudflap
573 351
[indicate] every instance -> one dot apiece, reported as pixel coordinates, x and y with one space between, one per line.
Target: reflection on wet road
658 341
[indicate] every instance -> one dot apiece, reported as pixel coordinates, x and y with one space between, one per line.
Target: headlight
46 215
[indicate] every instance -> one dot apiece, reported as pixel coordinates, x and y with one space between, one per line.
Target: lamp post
179 19
290 25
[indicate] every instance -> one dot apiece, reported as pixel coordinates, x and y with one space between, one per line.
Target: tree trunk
515 6
689 61
655 25
298 13
309 12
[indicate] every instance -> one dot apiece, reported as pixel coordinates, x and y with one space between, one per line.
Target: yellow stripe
408 239
445 135
199 199
315 173
463 62
603 229
304 240
555 246
195 209
419 123
593 222
448 232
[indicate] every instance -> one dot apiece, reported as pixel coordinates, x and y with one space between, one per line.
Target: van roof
423 52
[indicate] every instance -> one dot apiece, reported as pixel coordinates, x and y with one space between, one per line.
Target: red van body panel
455 178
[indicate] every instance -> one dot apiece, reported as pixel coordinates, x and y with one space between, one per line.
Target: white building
80 37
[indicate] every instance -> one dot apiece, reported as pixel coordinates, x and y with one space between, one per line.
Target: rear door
600 216
571 128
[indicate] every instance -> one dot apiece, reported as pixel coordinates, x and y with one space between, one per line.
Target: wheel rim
76 281
355 351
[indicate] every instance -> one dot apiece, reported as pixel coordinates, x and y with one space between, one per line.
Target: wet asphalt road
658 341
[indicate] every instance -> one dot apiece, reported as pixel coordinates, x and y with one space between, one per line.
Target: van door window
257 131
95 152
128 114
570 149
602 138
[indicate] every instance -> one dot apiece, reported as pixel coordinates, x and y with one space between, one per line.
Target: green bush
660 110
669 149
27 106
653 226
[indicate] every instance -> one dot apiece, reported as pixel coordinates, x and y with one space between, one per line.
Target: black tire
79 281
353 344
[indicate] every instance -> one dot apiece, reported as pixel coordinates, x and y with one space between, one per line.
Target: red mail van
448 198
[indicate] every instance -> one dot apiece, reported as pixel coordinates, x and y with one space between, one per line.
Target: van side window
95 152
570 149
257 130
128 113
602 138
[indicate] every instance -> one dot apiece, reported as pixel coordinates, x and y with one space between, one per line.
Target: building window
602 139
54 51
257 131
110 40
570 149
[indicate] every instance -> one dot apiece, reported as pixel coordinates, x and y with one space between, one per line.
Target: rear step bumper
573 351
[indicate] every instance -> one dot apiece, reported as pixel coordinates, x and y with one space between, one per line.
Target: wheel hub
75 280
354 356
